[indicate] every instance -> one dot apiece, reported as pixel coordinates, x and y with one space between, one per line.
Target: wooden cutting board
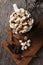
37 42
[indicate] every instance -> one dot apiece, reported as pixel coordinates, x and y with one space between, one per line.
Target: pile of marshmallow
20 21
25 44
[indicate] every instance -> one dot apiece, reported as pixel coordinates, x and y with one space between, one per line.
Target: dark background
6 9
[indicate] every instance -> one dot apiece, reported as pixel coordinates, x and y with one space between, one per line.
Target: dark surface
6 9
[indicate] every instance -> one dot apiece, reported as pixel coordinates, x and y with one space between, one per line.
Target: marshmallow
31 22
28 44
12 25
29 41
26 12
22 31
29 28
16 25
19 27
18 19
22 48
24 17
28 16
25 47
25 27
20 41
22 44
12 15
11 19
22 10
25 23
16 9
25 38
16 32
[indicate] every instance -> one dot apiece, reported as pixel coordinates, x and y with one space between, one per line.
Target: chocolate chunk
12 47
18 49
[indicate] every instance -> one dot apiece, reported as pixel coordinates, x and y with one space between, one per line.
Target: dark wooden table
37 43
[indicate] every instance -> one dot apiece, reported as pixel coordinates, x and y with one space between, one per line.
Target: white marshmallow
16 9
22 48
22 44
16 32
21 20
16 25
20 31
28 16
25 27
29 28
25 23
24 17
12 25
29 41
17 20
25 47
25 43
26 12
12 15
24 31
31 22
11 19
28 44
19 27
22 10
20 41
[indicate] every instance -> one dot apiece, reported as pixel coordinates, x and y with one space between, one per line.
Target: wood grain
37 43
